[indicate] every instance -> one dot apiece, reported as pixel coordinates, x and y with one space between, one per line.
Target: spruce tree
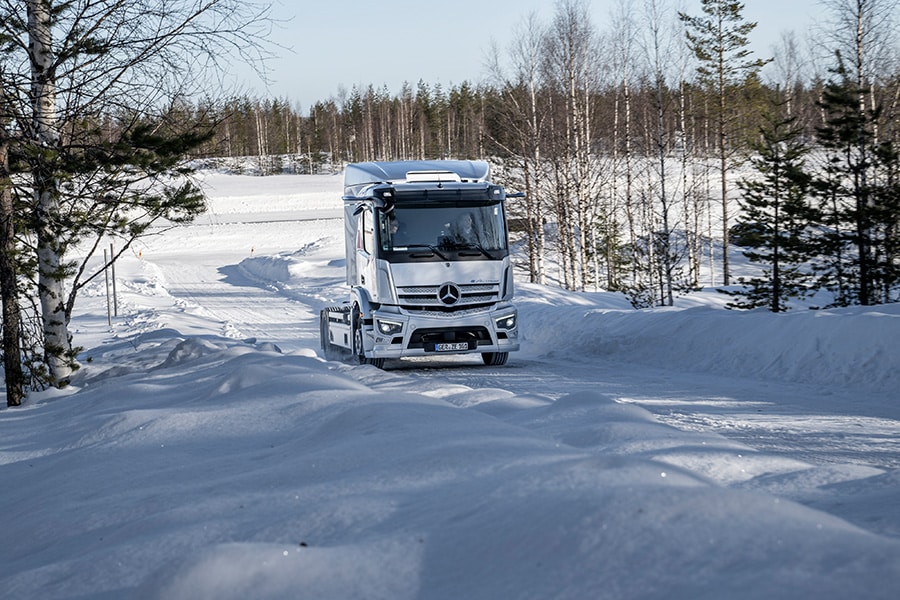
858 196
776 218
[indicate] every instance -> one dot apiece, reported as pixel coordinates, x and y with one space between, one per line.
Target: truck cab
428 264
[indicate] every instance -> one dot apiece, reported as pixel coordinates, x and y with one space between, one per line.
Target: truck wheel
494 359
358 347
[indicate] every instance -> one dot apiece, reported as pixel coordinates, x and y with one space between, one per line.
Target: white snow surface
205 450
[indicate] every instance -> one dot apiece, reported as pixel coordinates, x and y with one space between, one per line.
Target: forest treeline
641 150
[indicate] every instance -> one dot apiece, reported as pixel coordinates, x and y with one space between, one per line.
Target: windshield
444 228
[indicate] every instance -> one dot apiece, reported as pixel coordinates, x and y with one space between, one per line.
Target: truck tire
358 346
494 359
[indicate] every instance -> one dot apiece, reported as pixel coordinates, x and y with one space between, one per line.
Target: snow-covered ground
204 450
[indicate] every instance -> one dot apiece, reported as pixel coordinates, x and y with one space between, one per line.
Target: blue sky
387 42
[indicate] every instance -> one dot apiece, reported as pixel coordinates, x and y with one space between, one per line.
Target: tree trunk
664 235
533 177
57 346
12 365
865 203
723 167
629 181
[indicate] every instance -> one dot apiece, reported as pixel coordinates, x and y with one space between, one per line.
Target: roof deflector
430 176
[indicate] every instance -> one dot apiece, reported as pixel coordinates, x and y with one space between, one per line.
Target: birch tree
864 33
624 43
523 115
660 51
571 52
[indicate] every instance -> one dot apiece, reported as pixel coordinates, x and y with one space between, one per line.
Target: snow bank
851 347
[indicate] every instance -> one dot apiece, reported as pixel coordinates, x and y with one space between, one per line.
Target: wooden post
106 276
112 266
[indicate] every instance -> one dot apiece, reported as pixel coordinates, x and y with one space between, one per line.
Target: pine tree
719 41
776 218
858 193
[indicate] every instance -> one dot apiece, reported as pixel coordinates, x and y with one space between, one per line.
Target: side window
368 228
385 231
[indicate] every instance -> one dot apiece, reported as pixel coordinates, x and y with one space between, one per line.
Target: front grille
427 296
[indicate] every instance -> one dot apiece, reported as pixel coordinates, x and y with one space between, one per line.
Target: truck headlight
508 322
389 327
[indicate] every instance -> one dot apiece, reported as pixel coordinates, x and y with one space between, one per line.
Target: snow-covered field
204 450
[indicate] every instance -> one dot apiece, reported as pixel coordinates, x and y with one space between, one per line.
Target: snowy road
268 282
732 407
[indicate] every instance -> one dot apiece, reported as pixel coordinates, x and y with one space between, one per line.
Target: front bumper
396 333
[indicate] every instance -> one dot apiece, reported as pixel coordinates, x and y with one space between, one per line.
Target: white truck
427 264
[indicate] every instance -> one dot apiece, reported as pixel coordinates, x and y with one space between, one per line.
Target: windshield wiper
430 247
476 246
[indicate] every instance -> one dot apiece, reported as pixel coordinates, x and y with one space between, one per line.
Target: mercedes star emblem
449 293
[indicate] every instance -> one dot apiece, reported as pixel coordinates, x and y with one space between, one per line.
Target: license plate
451 347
